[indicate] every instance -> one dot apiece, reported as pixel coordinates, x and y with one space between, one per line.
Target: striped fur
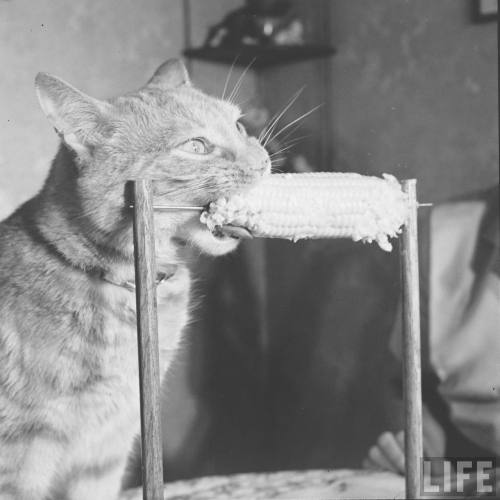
68 355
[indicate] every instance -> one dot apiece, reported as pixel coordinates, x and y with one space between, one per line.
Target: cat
69 402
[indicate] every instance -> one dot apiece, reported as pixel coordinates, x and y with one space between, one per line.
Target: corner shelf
261 57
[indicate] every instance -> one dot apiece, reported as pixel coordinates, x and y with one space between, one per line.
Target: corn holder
289 206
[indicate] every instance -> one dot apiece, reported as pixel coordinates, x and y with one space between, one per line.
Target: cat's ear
170 74
79 119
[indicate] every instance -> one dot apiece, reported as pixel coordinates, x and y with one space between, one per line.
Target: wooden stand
147 336
412 390
145 270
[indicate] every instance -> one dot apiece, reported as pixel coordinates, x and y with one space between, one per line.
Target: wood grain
147 335
412 382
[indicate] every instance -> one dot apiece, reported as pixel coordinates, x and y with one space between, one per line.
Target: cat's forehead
191 102
190 95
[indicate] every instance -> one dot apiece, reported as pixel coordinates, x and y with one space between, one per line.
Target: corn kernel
316 205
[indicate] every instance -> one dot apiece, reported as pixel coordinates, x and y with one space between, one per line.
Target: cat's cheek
207 243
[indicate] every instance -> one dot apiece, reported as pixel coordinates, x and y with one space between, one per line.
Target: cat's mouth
232 231
218 242
214 240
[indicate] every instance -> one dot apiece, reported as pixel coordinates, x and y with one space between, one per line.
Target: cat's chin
207 243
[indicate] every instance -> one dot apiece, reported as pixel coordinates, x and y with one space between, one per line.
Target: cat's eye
241 128
197 146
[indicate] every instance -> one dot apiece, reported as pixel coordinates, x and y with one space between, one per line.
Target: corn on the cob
316 205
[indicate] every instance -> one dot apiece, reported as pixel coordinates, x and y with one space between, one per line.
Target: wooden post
147 335
412 383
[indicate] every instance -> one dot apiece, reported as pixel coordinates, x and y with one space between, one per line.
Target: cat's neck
56 220
53 229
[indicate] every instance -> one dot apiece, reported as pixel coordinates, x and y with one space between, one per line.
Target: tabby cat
69 403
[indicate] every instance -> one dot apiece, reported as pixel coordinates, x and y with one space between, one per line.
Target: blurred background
286 363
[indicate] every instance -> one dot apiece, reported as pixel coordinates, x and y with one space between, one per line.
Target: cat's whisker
280 152
240 81
242 103
190 186
295 140
298 124
272 127
228 77
289 145
301 117
291 132
266 128
274 119
276 170
277 117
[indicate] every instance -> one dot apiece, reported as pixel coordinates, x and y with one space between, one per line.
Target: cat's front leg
29 466
173 301
97 482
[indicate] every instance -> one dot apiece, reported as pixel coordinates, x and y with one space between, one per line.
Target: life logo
458 477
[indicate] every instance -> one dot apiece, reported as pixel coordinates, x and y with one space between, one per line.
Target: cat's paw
197 235
208 243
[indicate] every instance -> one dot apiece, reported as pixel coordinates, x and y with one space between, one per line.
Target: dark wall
415 93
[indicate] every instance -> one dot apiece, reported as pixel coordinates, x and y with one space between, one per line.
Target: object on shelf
293 34
259 23
259 56
484 11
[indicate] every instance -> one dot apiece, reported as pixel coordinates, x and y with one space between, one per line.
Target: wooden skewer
177 207
147 335
161 208
412 383
200 209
